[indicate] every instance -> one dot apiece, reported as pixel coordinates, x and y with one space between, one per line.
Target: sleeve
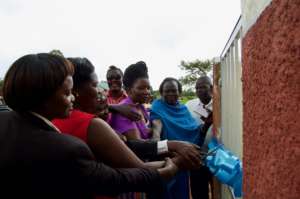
122 124
95 177
143 149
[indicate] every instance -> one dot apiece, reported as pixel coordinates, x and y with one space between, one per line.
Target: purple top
122 124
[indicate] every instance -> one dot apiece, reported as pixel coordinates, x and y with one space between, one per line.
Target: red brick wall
271 101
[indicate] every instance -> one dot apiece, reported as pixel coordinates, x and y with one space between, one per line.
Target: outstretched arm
95 177
107 146
156 129
125 110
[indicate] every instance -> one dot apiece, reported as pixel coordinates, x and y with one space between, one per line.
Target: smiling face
87 94
114 80
59 105
140 91
170 92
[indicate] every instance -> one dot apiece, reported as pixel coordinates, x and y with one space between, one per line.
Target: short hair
170 79
134 72
34 78
204 79
83 69
113 68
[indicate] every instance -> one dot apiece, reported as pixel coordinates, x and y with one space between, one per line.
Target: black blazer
37 162
144 149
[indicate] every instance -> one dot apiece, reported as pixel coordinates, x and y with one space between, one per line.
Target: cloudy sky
118 32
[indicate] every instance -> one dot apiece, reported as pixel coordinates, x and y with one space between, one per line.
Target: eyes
203 87
114 77
168 91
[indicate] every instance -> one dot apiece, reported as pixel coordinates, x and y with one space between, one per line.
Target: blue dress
178 124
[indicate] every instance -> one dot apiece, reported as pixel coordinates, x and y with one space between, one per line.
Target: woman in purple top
137 86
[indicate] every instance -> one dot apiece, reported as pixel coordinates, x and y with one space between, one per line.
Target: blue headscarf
178 123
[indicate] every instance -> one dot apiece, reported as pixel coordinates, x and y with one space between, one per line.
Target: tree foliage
194 70
56 52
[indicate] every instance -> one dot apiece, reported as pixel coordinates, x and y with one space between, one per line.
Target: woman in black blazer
36 160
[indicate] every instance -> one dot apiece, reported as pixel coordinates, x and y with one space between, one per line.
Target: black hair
204 79
170 79
33 78
134 72
114 68
83 69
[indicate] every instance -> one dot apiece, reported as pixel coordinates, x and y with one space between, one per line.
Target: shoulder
192 102
68 145
156 103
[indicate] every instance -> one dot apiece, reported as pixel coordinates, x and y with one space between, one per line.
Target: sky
118 32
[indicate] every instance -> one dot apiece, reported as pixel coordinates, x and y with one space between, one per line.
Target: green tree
194 70
56 52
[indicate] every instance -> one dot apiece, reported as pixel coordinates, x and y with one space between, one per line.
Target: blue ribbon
226 167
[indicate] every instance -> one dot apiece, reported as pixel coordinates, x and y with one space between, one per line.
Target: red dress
76 125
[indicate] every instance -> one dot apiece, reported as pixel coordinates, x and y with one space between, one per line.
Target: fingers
190 156
155 164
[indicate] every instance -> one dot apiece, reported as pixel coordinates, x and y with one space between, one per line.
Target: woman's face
59 105
170 92
140 91
87 95
114 80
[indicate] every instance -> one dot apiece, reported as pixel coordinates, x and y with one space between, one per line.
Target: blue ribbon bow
226 167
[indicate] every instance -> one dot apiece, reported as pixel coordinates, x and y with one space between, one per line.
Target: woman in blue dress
171 120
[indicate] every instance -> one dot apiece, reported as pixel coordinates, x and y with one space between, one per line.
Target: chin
171 102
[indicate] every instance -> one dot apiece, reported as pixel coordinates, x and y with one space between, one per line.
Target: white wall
251 10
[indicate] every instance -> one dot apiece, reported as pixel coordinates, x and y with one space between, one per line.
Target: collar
123 94
45 121
201 104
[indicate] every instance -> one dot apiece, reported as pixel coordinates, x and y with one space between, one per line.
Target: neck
133 100
116 94
205 101
82 108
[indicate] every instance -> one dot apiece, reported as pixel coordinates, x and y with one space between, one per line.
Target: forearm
143 149
113 108
104 180
109 148
156 129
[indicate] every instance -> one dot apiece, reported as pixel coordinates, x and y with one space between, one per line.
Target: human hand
169 170
155 164
129 112
187 155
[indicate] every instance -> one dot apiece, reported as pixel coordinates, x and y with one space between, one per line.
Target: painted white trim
251 10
